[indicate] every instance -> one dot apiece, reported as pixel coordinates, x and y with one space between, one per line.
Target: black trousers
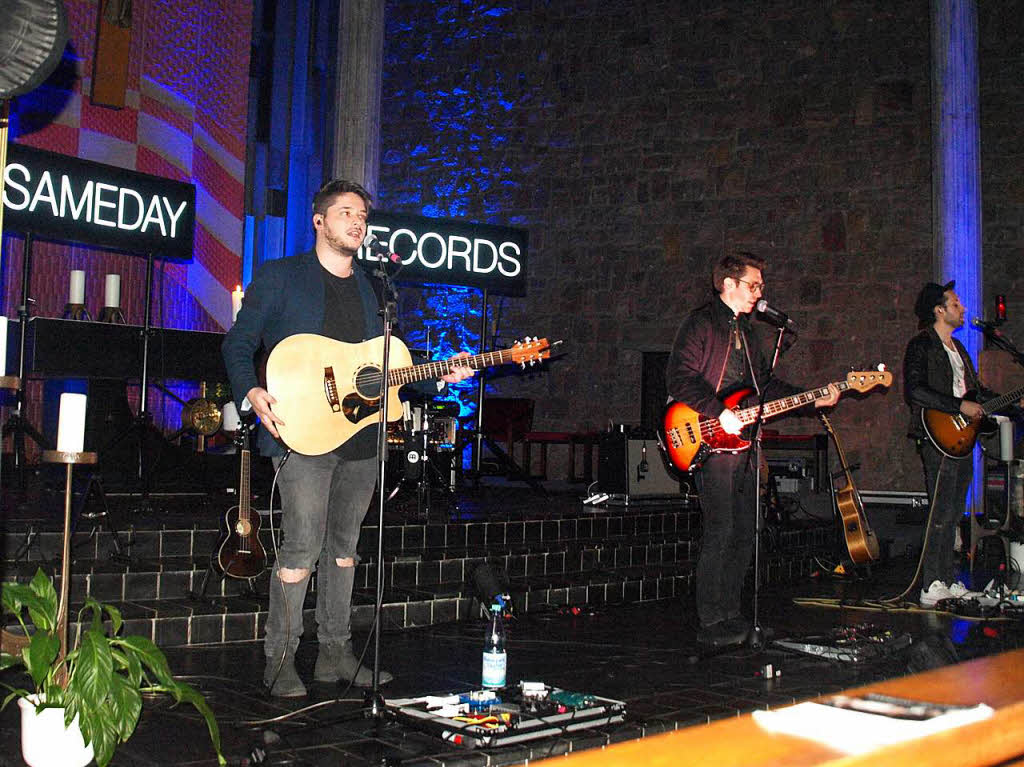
947 481
725 485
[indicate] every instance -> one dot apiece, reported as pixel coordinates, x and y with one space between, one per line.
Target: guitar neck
244 496
779 406
439 368
1000 402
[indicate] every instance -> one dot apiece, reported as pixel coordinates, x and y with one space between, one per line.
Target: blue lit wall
957 168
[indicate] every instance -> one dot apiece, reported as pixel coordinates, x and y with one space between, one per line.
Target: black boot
284 627
335 660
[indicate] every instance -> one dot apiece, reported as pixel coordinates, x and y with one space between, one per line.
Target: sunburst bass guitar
689 439
327 390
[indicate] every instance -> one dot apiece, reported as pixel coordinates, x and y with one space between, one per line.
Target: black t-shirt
737 371
344 321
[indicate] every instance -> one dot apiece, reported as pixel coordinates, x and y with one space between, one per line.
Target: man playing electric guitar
714 353
324 497
937 374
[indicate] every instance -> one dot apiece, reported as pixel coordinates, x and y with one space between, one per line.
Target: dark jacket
699 355
928 378
285 297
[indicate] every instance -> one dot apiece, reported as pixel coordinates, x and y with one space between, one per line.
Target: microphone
986 326
774 317
379 249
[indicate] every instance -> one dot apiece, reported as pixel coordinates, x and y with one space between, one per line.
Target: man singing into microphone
715 352
937 374
324 498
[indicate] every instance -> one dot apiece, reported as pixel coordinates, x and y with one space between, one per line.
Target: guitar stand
249 590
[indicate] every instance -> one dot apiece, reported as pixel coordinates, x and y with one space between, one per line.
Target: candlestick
236 301
71 423
112 291
76 293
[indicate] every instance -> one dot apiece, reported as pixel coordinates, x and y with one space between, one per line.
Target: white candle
71 423
3 346
236 301
112 291
77 292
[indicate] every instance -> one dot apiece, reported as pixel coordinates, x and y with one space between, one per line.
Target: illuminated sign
54 196
450 252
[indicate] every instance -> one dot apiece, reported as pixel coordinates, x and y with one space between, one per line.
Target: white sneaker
959 591
936 592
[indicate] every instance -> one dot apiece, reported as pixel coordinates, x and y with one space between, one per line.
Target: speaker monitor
634 468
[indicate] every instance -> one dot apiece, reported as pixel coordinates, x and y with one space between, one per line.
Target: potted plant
101 680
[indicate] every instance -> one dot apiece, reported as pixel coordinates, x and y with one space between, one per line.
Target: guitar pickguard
355 408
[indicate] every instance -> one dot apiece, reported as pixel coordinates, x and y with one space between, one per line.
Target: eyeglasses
753 287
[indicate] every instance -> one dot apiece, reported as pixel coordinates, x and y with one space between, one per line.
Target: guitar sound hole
368 383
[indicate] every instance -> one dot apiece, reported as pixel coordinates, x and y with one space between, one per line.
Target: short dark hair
333 189
733 265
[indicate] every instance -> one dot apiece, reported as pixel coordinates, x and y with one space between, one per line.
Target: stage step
570 559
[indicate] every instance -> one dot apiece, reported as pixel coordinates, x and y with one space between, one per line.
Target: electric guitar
954 434
861 542
690 439
327 390
241 554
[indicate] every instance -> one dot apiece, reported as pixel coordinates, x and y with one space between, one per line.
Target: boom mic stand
756 639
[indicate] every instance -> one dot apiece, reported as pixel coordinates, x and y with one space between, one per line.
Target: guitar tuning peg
881 367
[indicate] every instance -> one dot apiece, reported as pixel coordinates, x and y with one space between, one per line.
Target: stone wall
639 141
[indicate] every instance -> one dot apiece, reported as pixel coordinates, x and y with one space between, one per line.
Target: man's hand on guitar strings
261 400
459 372
829 400
971 409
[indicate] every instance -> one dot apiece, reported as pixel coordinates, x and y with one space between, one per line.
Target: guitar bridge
331 390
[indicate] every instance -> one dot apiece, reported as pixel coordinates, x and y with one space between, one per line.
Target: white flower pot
44 740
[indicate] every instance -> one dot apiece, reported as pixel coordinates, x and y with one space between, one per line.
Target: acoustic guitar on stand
954 434
327 390
861 542
690 439
241 553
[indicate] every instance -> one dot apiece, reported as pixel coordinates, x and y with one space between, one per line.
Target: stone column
356 144
956 168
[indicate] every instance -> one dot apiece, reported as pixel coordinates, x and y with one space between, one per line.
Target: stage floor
642 654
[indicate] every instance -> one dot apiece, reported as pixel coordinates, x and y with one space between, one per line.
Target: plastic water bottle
495 657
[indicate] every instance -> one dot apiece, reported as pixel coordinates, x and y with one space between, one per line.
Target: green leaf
115 619
150 655
104 741
126 702
39 656
44 611
93 668
191 695
16 692
7 660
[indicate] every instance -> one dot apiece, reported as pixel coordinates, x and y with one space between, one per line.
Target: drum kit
423 447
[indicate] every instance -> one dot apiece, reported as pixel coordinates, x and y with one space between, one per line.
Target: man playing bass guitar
937 375
715 353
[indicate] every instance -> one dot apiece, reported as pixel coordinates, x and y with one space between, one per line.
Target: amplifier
633 468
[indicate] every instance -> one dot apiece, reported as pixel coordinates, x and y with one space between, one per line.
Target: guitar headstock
530 351
865 380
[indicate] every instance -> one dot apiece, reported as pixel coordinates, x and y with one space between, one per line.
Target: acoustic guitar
327 390
954 434
241 553
689 439
861 542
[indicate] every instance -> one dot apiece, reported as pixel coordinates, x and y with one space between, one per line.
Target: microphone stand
756 639
376 700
